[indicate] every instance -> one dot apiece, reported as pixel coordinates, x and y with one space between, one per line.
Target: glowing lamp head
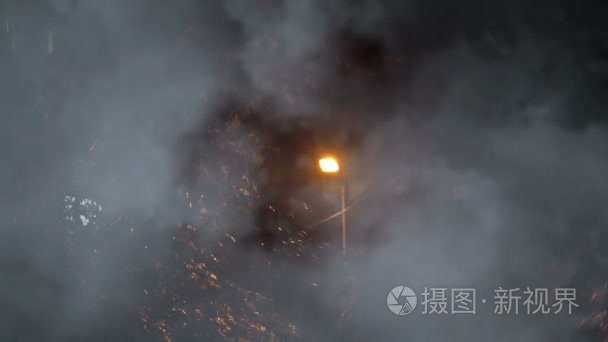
329 165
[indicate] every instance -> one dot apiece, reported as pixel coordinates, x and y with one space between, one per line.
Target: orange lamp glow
329 165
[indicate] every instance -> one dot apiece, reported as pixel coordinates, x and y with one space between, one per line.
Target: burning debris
202 287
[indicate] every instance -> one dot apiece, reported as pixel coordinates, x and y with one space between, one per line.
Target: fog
474 134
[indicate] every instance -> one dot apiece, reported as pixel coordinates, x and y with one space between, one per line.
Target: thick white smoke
479 176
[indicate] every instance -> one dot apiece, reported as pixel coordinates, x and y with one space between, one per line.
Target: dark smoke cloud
477 127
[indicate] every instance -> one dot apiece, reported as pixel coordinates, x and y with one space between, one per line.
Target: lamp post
330 165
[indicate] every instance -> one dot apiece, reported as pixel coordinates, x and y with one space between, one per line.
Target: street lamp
330 165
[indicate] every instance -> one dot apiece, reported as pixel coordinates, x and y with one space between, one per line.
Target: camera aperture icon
401 300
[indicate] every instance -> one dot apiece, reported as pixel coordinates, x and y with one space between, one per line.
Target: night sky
160 181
